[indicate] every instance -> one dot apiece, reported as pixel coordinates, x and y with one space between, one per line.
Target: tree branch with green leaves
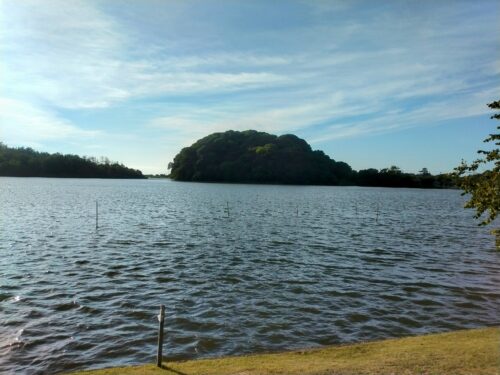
481 179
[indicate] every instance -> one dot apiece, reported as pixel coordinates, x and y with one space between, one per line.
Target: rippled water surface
240 268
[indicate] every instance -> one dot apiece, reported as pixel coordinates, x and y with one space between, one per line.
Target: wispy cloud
431 114
25 124
62 53
322 69
72 55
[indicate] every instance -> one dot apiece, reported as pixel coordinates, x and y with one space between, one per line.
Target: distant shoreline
233 183
81 178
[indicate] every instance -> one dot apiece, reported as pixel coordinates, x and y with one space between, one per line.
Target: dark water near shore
290 267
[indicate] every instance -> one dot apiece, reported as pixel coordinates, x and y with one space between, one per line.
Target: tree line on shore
257 157
232 156
26 162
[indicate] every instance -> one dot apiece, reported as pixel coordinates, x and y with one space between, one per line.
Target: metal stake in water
161 319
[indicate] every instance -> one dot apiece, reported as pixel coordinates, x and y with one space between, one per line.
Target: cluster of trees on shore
394 177
26 162
257 157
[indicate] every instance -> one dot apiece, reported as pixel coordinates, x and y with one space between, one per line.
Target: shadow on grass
165 367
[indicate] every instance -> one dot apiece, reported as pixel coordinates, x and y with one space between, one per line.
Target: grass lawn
471 352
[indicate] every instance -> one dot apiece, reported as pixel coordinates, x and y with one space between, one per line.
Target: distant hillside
26 162
257 157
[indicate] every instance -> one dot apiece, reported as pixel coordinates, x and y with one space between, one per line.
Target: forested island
257 157
26 162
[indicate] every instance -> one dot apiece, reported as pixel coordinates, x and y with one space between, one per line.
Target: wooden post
227 208
96 215
161 319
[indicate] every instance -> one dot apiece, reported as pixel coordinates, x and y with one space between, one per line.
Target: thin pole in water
161 319
227 208
96 215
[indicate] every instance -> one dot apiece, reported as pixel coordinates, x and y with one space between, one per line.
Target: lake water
284 267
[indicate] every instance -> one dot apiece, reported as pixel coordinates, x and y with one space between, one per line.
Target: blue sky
372 83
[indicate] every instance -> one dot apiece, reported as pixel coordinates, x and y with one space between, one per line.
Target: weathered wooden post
161 319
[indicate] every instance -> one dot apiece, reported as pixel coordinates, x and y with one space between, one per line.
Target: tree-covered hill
257 157
252 156
26 162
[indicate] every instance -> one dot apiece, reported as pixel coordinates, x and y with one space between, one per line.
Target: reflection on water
290 267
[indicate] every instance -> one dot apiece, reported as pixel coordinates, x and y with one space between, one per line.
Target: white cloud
225 59
190 124
160 83
383 68
391 121
74 56
24 124
62 52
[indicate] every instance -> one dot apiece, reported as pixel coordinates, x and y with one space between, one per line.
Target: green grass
473 352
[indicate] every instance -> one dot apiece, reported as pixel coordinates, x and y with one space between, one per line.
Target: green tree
424 172
484 187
